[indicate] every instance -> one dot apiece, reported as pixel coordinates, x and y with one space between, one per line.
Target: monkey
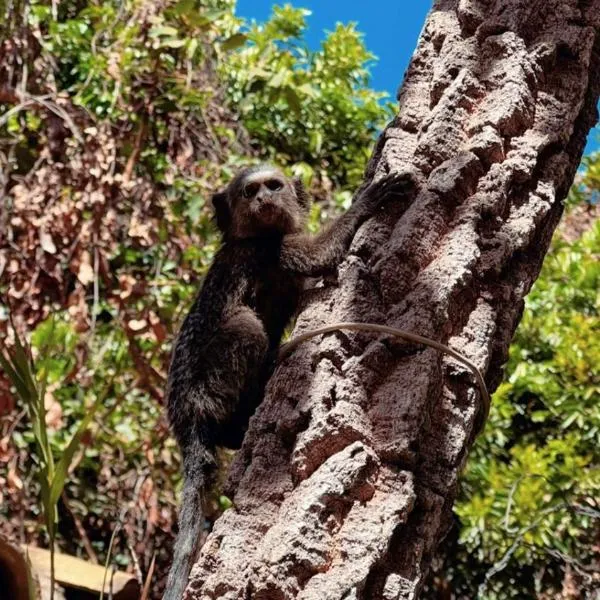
228 343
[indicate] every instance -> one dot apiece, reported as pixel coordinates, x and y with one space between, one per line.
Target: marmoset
225 349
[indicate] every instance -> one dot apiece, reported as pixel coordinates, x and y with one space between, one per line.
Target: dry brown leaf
159 330
126 283
54 413
7 402
18 289
47 243
87 438
13 481
6 450
153 514
149 452
137 324
85 274
146 492
78 309
141 229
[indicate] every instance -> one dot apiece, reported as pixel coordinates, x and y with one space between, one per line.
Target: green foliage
31 389
306 106
530 492
587 182
108 56
311 109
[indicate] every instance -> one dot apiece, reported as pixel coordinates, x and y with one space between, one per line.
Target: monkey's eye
250 190
274 184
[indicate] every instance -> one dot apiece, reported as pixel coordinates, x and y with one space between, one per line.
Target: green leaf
569 420
62 466
308 90
214 14
205 20
163 30
32 583
225 503
191 49
14 378
22 365
173 43
45 494
183 7
316 141
278 79
292 99
233 42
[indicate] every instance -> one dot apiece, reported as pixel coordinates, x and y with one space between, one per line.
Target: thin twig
15 109
80 530
503 562
146 590
27 100
136 562
137 149
511 494
62 113
96 300
118 526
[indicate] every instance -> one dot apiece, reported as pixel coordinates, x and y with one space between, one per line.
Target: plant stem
52 573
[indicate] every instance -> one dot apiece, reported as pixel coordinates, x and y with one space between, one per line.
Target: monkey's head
261 201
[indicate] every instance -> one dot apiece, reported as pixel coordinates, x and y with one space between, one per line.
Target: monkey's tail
198 464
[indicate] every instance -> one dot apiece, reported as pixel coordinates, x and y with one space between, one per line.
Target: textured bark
345 482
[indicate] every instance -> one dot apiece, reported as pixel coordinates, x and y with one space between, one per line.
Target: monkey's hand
388 187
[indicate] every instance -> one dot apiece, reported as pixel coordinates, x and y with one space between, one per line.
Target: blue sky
391 29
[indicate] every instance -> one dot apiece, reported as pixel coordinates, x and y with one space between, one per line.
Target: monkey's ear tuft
222 211
301 193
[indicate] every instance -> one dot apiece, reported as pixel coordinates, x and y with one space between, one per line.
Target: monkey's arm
315 255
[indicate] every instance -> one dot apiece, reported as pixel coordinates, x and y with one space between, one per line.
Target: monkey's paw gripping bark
392 185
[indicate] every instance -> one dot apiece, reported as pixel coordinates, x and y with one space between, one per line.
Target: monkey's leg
209 416
237 355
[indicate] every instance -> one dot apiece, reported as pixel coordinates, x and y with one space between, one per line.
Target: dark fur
221 359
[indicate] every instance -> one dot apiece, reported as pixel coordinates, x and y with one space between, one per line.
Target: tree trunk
345 482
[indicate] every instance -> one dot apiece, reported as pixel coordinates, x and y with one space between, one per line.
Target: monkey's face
261 201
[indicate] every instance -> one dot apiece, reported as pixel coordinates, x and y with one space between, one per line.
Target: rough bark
345 482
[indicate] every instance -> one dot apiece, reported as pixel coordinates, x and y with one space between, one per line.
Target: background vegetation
117 120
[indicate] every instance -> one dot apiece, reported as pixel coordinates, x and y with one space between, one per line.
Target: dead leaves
78 309
85 271
130 287
54 412
46 242
137 325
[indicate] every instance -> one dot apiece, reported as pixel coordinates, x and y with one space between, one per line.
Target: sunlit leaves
539 458
302 104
